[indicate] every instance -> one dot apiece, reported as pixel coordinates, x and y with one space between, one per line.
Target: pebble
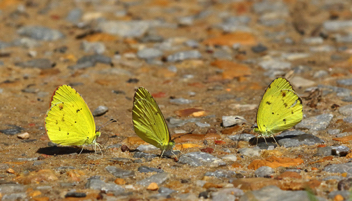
97 184
221 173
264 171
149 53
74 15
145 169
241 137
180 56
230 157
174 122
196 159
345 82
275 65
12 131
14 196
333 131
185 21
340 150
189 43
91 61
344 184
75 195
120 173
144 155
100 110
228 121
300 82
11 188
347 119
335 25
259 48
274 193
181 101
255 151
93 47
159 179
316 123
303 139
345 194
202 125
339 168
40 33
301 69
146 147
346 110
227 194
23 135
132 28
324 151
313 40
337 178
36 63
320 74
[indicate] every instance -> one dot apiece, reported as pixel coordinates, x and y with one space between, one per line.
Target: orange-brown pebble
120 181
35 193
41 199
153 186
10 170
338 198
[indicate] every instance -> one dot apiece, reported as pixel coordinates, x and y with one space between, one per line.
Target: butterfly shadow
62 150
264 143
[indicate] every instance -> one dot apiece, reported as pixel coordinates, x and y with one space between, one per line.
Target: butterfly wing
69 120
149 123
280 109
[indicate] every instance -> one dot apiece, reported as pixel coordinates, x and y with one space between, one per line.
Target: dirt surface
227 73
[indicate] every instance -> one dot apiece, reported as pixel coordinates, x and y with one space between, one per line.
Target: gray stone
324 151
306 139
119 173
335 25
221 173
189 43
300 82
227 194
333 131
181 101
74 15
11 188
222 54
228 121
301 69
93 47
241 137
339 168
259 48
149 53
125 28
275 65
4 45
340 150
345 82
255 151
338 178
145 169
345 194
313 40
91 61
264 171
202 125
347 99
40 33
317 123
100 110
97 184
269 6
157 178
322 48
347 119
346 110
146 147
274 193
200 158
14 197
180 56
35 63
186 20
330 89
144 155
230 157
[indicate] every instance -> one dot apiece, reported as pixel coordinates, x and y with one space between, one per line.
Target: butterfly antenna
107 123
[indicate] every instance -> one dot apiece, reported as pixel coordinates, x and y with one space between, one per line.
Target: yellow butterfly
280 109
69 121
148 121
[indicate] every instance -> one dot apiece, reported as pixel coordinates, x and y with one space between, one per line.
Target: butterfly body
148 121
280 108
68 121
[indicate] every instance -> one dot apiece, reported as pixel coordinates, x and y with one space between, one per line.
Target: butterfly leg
275 140
81 150
162 153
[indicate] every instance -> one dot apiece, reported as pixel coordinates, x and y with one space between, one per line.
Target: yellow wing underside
280 109
69 121
149 123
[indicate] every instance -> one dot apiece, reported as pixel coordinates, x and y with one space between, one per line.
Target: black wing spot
267 102
292 112
57 122
78 110
62 119
272 113
283 94
285 104
68 133
59 129
284 120
75 122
